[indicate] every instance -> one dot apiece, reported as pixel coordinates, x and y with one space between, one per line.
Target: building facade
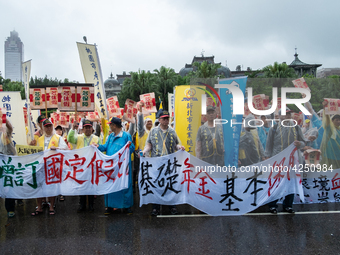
325 72
223 70
112 87
14 56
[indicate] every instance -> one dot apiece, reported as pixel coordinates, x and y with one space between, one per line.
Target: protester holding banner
49 140
330 145
7 148
143 128
39 132
250 148
263 131
59 131
209 140
80 141
279 138
162 140
116 140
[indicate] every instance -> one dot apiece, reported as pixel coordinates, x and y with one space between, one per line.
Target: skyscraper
14 56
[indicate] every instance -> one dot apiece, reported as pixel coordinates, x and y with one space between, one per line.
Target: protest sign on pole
26 69
112 106
149 103
130 110
90 64
333 106
188 114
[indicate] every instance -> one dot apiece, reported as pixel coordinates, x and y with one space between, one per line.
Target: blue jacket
123 198
115 143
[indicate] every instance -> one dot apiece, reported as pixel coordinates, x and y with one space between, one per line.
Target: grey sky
145 35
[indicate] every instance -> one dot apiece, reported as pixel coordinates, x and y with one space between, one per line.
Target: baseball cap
162 114
47 122
58 127
115 120
210 108
40 119
87 123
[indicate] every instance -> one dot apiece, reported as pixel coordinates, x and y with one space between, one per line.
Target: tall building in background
14 56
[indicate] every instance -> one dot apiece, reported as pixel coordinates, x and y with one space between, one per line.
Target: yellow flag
188 114
152 116
106 129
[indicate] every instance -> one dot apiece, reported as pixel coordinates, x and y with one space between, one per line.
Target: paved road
313 230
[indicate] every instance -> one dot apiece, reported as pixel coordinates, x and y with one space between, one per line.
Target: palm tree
206 70
278 71
165 79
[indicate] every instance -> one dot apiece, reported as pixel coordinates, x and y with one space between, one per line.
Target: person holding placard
49 140
162 140
83 140
115 141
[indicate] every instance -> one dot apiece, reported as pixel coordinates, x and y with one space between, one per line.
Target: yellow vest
142 140
53 142
36 135
81 142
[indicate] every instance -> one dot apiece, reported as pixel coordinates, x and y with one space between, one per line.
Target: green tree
165 79
41 82
253 74
141 82
205 70
183 80
278 72
8 85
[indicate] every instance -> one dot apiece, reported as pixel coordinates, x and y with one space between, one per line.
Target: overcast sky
147 34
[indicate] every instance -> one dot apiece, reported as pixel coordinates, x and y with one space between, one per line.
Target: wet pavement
69 232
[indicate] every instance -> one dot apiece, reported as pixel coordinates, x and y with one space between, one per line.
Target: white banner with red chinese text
182 178
86 171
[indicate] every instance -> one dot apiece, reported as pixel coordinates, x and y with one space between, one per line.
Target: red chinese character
277 177
96 169
75 163
53 168
186 172
202 190
335 182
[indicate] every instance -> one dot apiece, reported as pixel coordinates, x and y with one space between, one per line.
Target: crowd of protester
154 139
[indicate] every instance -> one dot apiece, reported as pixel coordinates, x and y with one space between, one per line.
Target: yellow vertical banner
188 114
90 64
